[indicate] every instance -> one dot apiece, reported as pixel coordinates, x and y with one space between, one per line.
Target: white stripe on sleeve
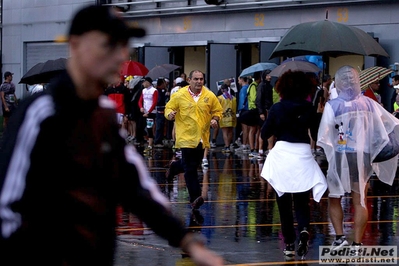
14 182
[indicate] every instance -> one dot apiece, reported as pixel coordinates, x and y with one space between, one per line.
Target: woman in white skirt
290 166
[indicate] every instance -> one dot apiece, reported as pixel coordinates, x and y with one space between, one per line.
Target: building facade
220 40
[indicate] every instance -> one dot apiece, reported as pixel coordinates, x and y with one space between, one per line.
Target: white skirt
291 167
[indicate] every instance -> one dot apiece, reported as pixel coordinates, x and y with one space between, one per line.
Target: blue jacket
242 97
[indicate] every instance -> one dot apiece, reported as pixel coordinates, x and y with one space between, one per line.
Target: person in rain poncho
290 121
353 131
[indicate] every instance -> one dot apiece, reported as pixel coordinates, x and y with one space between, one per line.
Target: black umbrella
43 72
327 38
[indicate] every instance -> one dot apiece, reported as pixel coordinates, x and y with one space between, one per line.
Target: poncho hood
347 83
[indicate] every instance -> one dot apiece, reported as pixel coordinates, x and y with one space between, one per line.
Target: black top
289 120
64 168
264 97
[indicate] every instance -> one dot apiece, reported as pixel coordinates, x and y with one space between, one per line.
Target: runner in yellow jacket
193 119
195 109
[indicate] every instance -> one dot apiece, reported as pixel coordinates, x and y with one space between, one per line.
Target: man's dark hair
245 79
161 82
224 87
257 75
396 77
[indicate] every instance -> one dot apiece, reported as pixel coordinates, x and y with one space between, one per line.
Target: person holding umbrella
251 116
264 100
372 91
290 121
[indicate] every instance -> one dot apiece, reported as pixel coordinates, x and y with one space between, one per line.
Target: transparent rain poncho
353 130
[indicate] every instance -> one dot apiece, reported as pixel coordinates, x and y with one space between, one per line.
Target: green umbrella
327 38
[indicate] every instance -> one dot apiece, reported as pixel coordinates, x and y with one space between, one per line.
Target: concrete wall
238 27
42 20
31 21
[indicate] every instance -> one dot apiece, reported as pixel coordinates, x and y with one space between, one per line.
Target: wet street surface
240 218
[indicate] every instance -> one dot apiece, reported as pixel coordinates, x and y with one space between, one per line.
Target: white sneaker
356 250
247 149
253 154
339 243
205 163
213 145
289 252
242 148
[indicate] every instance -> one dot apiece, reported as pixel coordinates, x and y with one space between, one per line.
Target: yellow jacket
193 119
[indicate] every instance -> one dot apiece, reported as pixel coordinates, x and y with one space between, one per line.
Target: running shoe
289 252
339 243
197 203
303 246
356 250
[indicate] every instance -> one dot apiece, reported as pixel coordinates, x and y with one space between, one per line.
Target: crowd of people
281 122
284 122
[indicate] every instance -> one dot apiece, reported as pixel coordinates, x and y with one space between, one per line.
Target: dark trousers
140 128
191 160
302 213
159 129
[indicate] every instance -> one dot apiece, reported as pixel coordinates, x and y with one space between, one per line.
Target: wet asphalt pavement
240 217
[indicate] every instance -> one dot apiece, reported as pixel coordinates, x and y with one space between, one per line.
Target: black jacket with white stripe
63 170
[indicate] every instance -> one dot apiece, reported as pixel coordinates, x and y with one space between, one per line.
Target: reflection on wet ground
240 216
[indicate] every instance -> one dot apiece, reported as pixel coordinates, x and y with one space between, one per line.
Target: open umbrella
133 68
373 74
43 72
327 38
249 71
161 71
293 65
